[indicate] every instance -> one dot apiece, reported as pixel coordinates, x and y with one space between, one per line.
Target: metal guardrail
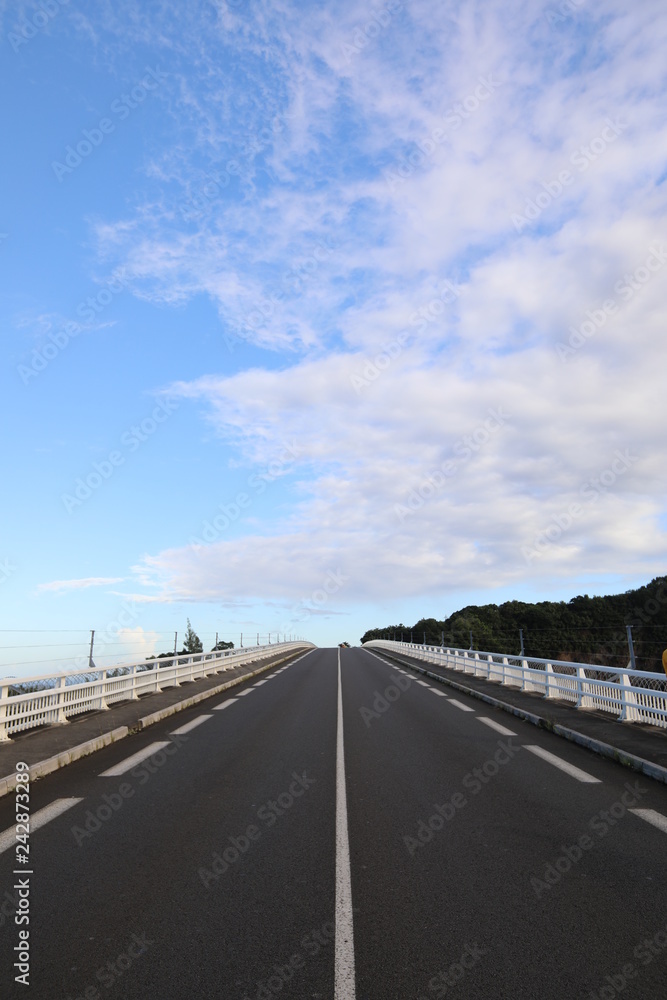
28 702
630 695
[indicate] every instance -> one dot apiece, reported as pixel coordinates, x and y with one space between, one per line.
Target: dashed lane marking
503 730
651 816
40 818
190 725
136 758
563 765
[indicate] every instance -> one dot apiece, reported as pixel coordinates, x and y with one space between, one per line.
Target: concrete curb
630 760
44 767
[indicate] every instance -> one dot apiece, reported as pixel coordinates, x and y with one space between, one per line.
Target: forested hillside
588 629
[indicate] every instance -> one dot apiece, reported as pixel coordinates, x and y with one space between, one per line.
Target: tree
585 629
193 643
222 645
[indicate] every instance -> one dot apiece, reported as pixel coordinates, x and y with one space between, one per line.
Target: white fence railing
630 695
54 698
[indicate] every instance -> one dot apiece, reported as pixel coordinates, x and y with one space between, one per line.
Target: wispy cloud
274 211
58 586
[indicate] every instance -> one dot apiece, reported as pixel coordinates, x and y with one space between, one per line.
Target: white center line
459 704
224 704
241 693
570 769
652 817
259 683
496 725
136 758
190 725
344 978
441 694
42 816
424 684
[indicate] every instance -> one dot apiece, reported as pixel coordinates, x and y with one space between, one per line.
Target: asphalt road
454 859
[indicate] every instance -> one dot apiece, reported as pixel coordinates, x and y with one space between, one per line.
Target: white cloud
58 586
322 176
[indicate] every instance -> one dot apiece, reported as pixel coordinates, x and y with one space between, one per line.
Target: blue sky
332 314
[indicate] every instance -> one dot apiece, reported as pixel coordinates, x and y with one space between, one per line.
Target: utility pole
241 640
632 664
521 637
175 644
471 640
216 640
442 639
91 664
424 638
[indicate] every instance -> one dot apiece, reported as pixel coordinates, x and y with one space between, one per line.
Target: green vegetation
585 629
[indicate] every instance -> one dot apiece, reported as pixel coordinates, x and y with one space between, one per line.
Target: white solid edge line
570 769
459 704
503 730
651 816
344 978
42 816
136 758
190 725
224 704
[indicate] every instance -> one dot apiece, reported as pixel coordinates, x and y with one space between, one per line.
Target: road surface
252 847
